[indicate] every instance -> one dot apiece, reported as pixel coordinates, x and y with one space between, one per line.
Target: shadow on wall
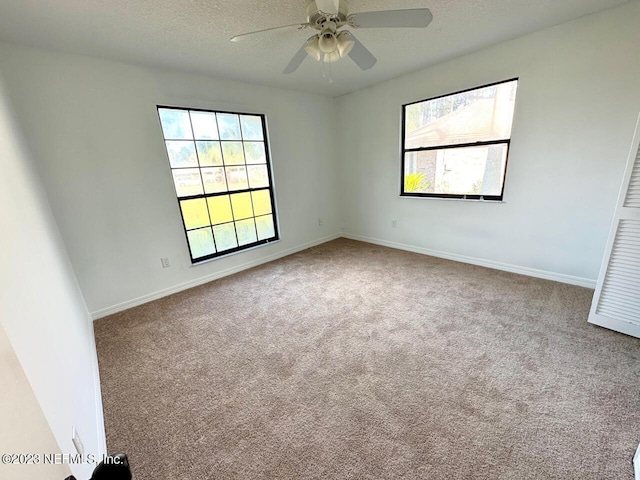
24 428
45 322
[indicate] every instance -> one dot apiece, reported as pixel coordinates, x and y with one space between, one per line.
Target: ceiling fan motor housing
317 19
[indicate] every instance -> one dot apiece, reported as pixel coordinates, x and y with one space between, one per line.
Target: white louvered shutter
616 302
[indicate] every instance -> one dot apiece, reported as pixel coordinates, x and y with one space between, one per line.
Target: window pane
255 152
258 176
214 181
216 188
233 153
187 181
477 115
251 127
201 242
241 203
265 227
261 202
456 171
220 209
195 213
209 154
225 236
175 124
246 230
237 178
229 126
204 125
181 154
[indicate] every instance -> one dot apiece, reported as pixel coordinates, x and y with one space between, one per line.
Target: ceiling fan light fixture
331 57
328 42
328 17
312 48
345 43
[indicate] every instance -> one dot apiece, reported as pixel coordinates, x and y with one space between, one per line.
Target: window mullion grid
267 154
226 181
246 167
224 166
233 213
228 192
204 191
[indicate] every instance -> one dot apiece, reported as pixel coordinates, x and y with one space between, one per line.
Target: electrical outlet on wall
165 262
394 224
75 438
320 222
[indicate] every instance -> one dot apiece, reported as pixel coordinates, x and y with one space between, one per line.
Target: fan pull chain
324 71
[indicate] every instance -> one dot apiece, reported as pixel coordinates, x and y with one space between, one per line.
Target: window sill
244 250
473 200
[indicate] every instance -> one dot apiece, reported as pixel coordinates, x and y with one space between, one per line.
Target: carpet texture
354 361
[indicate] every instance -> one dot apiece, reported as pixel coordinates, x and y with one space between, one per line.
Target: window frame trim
452 196
271 187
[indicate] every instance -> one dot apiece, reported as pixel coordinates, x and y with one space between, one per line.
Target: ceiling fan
331 44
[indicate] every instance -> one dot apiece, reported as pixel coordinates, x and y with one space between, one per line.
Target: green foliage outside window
416 182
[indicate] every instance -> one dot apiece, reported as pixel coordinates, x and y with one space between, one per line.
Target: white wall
93 127
42 311
578 98
92 131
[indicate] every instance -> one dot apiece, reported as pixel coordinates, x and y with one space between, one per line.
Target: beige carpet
355 361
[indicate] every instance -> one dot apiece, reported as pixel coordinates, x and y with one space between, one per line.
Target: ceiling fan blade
328 6
296 61
412 17
360 55
257 33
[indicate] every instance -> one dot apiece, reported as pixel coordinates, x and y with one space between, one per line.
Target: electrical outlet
394 224
165 262
75 438
320 222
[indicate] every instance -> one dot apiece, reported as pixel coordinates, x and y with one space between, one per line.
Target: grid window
456 146
220 169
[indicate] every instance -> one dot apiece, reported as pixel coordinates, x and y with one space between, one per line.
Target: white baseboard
102 434
636 463
531 272
558 277
103 312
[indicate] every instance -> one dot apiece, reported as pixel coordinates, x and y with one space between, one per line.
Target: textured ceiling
193 35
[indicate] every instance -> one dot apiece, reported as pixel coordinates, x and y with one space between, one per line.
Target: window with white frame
457 145
222 176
